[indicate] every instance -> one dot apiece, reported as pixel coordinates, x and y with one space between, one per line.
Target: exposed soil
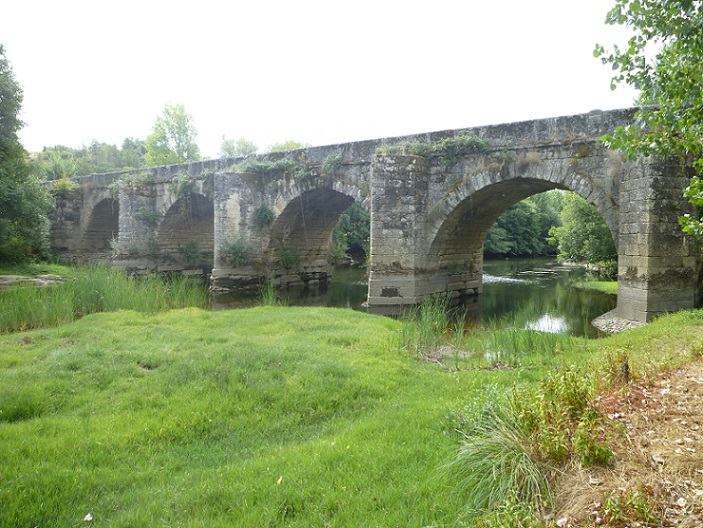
658 441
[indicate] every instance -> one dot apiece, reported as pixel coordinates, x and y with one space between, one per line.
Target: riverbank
610 323
306 416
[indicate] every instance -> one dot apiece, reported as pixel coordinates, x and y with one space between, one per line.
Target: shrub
191 252
148 216
237 252
263 217
289 256
496 462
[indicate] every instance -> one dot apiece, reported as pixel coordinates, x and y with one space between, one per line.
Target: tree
523 229
60 162
133 152
172 139
583 235
234 148
287 145
350 237
664 60
57 163
24 205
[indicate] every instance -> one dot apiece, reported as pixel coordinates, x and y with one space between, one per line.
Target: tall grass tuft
425 325
267 294
93 289
496 463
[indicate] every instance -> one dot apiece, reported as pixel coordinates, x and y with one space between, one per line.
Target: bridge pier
402 273
658 265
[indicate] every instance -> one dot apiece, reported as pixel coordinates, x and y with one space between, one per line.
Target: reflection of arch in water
102 226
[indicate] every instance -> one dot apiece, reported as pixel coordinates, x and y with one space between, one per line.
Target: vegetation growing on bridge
448 150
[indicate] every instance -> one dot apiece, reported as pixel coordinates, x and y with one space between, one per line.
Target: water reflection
536 294
539 294
348 289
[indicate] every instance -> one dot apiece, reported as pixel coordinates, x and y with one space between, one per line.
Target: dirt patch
658 457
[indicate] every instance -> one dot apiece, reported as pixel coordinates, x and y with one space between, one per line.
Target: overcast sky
318 72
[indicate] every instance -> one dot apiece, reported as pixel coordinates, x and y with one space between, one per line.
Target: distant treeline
552 223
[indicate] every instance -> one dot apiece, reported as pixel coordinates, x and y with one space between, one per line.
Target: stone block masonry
432 199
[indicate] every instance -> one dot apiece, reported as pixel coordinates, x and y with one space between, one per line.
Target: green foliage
513 446
138 179
237 252
332 163
267 294
263 217
287 145
64 187
351 235
562 421
152 248
496 463
59 161
24 204
235 148
524 228
192 253
450 150
509 514
182 185
172 139
663 60
583 235
639 504
59 164
425 325
91 290
289 256
149 216
264 167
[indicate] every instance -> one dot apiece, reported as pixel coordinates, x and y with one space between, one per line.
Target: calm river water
535 293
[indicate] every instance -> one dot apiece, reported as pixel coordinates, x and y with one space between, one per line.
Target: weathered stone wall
658 264
271 216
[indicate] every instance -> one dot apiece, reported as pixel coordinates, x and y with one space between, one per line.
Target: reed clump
92 289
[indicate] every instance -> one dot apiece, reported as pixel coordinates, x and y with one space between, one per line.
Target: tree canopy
172 139
57 162
287 145
583 235
663 60
524 228
234 148
24 205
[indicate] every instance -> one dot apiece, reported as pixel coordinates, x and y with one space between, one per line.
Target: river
534 293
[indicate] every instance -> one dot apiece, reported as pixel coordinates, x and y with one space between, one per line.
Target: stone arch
301 235
102 225
457 236
188 220
339 186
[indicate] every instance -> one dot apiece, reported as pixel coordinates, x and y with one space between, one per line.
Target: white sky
318 72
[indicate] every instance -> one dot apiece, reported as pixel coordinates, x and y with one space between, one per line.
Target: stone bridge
432 198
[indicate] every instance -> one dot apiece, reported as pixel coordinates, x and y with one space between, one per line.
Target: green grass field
271 416
610 287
